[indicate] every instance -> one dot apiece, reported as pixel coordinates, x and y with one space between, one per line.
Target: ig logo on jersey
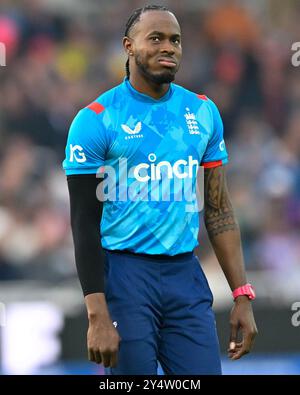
77 154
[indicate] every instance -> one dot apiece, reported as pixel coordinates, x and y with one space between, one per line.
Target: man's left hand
241 319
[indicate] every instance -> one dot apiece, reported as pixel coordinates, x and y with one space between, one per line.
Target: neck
150 88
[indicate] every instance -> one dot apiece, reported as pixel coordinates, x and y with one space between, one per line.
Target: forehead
161 21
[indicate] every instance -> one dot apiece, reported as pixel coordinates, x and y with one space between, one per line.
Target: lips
168 62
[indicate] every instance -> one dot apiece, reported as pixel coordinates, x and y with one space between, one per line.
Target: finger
248 342
97 357
105 356
233 335
238 355
91 355
235 352
249 339
114 360
237 346
246 345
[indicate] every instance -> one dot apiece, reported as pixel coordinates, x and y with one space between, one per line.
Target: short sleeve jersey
149 153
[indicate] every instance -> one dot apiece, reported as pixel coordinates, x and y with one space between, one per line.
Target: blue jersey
149 152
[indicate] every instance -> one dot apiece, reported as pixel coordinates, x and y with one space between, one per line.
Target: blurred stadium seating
60 56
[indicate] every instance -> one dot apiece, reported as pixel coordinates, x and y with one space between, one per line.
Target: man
146 295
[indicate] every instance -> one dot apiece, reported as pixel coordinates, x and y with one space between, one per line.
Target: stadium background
61 54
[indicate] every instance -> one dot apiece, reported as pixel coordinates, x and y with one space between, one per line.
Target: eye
176 41
155 39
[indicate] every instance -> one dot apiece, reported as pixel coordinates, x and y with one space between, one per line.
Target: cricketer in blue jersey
133 159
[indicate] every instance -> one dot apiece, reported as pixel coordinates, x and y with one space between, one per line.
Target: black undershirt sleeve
86 213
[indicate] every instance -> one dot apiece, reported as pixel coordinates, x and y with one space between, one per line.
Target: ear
128 45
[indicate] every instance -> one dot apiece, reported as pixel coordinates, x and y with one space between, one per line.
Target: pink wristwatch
246 289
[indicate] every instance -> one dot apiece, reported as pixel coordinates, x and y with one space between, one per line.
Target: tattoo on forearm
219 215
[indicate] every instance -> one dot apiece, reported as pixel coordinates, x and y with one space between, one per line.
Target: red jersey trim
203 97
209 165
96 107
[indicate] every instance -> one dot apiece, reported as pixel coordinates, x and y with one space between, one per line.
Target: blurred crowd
60 58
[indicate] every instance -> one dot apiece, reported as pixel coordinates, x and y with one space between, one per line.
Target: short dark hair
134 18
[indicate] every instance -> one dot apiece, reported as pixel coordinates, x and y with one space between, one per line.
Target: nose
167 47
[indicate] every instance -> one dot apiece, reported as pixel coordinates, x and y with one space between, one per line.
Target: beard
164 77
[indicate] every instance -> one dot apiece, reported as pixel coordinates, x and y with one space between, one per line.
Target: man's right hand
102 337
103 342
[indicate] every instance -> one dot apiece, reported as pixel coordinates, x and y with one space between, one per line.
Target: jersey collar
143 97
